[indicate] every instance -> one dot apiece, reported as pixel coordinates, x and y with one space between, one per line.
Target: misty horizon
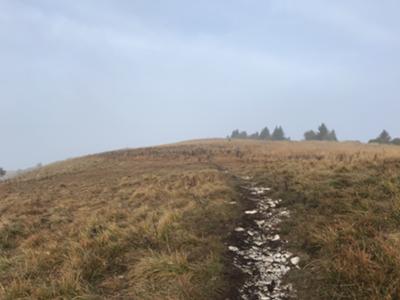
88 77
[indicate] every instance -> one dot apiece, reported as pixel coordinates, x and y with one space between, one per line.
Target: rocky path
258 250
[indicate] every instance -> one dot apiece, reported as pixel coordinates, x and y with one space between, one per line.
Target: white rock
276 237
285 213
295 260
233 248
239 229
259 190
263 263
260 222
269 259
287 255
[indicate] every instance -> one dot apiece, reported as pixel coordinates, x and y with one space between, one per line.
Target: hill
154 223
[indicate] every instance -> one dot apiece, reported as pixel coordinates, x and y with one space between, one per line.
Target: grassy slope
142 224
150 223
345 200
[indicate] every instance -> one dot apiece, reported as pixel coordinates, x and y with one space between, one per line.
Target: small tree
242 135
2 172
278 134
332 136
383 138
254 136
235 134
265 134
310 135
396 141
323 134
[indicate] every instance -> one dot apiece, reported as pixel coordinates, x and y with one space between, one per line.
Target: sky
81 77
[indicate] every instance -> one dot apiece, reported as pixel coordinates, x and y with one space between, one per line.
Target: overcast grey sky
80 77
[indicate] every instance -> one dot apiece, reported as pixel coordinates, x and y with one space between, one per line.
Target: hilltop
155 223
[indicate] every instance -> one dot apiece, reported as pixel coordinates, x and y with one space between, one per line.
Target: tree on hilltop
242 135
310 135
2 172
254 136
265 134
396 141
278 134
383 138
332 136
235 134
323 134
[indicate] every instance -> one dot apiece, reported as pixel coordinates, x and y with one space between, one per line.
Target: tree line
321 134
278 134
385 138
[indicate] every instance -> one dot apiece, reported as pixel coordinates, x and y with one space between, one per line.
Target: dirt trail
258 250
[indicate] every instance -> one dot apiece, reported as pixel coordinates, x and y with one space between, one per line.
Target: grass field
153 223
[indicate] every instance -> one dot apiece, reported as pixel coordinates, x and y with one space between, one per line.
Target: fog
79 77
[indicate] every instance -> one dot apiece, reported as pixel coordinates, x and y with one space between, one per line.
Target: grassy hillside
141 224
152 223
345 203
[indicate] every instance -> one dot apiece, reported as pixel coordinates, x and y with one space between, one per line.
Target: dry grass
121 225
151 223
345 203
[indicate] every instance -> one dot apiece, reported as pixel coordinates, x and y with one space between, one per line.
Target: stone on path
261 253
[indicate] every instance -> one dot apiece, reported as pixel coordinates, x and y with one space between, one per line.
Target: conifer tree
265 134
242 135
383 138
310 135
278 134
235 134
255 136
323 134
